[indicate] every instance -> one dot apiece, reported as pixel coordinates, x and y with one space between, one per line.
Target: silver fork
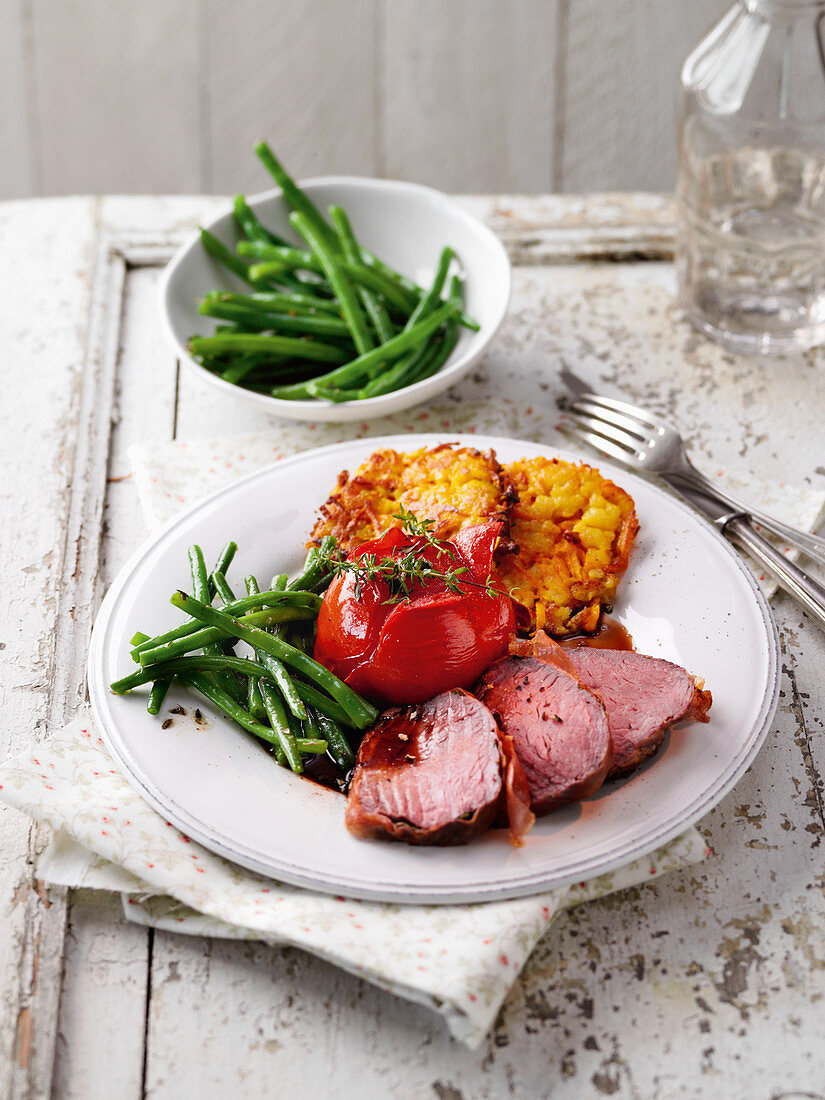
640 442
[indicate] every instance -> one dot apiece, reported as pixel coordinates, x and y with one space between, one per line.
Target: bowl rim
369 405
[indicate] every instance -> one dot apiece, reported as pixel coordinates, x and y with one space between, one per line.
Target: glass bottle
750 250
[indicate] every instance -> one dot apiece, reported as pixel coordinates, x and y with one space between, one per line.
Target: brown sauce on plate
323 770
609 634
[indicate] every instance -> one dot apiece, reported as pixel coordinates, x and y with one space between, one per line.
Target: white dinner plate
686 597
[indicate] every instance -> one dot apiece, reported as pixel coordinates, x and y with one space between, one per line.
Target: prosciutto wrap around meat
438 772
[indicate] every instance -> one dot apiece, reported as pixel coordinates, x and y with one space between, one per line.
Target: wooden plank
103 1006
44 449
107 960
467 93
118 94
616 107
302 76
18 109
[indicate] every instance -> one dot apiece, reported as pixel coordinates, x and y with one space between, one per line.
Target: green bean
342 288
240 368
198 638
250 225
305 323
263 379
371 260
316 567
182 666
278 301
200 578
223 701
371 277
204 587
322 703
138 638
157 695
311 746
337 745
275 667
441 353
218 250
291 391
414 367
272 598
432 298
279 345
223 589
373 360
270 273
254 699
278 673
224 561
286 254
349 248
297 199
405 284
361 713
281 728
279 582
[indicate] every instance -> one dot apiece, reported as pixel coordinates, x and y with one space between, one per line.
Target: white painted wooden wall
468 95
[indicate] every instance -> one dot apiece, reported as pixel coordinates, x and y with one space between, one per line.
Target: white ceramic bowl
404 224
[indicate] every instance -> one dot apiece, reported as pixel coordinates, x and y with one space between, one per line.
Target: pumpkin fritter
453 486
573 530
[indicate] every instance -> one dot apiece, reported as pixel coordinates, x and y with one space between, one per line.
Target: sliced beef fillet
428 774
559 728
643 696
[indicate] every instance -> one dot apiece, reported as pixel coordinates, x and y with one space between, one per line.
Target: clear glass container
750 250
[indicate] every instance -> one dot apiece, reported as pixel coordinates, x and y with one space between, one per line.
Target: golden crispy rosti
573 530
453 486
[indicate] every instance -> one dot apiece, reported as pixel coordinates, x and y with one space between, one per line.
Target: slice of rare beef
428 774
559 728
642 695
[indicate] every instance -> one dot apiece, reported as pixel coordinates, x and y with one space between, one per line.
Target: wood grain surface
470 95
707 983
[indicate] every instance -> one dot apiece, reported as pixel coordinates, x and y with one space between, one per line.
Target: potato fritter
573 531
567 530
453 486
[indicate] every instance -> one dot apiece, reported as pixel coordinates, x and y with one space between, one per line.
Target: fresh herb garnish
401 574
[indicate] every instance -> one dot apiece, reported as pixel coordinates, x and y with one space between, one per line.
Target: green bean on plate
273 690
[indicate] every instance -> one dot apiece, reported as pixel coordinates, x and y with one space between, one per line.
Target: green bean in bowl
336 299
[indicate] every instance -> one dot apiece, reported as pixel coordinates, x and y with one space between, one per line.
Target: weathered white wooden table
708 984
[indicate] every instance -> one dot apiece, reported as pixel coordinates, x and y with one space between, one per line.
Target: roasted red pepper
435 640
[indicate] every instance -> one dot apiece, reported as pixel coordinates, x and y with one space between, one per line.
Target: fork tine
612 418
602 443
633 411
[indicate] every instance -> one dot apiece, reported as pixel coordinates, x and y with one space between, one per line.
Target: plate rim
527 883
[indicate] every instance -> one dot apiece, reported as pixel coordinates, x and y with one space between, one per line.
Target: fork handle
812 545
794 580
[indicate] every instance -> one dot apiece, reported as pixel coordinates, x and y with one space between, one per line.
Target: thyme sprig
402 574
